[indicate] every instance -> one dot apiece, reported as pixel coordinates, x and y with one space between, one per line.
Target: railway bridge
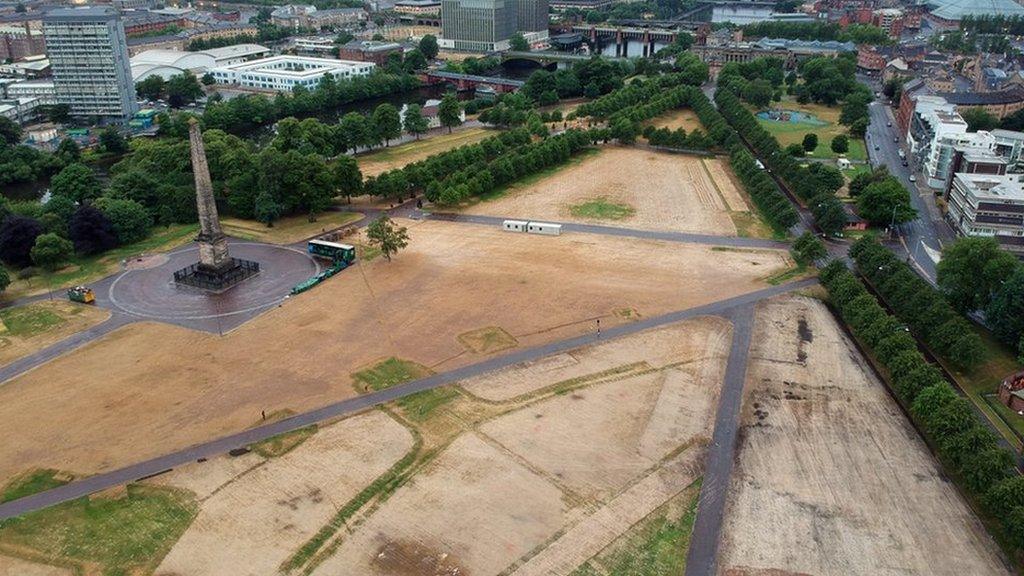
463 82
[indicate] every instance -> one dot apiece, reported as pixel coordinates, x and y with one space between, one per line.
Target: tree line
964 444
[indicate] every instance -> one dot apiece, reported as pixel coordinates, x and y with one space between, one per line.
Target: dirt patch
487 340
722 177
28 329
682 118
474 507
596 440
665 191
254 521
192 386
830 476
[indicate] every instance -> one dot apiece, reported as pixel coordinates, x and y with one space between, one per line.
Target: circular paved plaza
147 287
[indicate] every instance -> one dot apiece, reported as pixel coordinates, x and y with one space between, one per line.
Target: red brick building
1011 392
872 58
18 41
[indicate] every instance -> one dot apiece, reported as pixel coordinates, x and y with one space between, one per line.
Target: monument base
217 279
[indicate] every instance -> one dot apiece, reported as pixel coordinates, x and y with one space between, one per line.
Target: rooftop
993 188
81 13
957 9
371 45
1015 94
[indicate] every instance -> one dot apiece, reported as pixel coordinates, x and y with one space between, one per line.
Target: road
926 233
103 481
702 557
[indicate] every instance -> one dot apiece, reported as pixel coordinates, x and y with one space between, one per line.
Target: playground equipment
340 255
82 295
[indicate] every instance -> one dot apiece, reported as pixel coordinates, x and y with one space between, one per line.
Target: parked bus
333 251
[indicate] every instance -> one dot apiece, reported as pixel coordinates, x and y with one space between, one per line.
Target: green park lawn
793 132
393 371
86 269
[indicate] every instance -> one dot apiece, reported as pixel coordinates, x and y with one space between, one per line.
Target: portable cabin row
532 227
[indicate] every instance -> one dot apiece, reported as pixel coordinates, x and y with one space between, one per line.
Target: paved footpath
702 558
160 464
688 237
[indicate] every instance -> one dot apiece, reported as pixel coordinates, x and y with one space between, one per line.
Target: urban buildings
297 16
989 205
167 63
284 73
418 7
315 46
487 25
948 13
369 51
89 58
19 41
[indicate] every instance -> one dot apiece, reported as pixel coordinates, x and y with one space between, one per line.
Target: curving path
134 472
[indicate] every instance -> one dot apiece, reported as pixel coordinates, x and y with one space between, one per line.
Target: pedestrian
598 326
264 414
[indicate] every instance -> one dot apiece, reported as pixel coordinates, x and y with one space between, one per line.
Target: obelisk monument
216 270
213 244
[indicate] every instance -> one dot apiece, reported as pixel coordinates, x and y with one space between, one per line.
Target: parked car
913 178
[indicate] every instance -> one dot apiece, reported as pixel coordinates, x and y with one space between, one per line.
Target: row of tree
243 114
881 198
948 421
179 90
917 304
975 274
590 78
678 138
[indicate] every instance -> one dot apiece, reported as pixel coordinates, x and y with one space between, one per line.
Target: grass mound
602 209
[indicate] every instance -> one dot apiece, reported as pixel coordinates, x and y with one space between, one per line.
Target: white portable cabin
544 228
514 225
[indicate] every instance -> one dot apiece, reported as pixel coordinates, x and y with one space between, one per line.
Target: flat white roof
993 188
235 51
310 66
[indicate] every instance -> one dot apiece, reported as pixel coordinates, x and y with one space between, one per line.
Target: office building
369 51
89 58
531 16
477 25
285 73
989 205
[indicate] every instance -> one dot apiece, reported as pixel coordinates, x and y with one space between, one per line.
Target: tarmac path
702 557
160 464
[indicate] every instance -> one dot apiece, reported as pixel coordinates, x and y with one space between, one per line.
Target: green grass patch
393 371
602 209
27 321
656 545
125 535
33 483
786 275
793 132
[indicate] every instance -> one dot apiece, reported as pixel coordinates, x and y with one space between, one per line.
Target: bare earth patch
30 328
668 192
682 118
252 523
830 476
487 340
17 567
193 386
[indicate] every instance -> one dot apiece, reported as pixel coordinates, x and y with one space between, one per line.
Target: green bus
333 251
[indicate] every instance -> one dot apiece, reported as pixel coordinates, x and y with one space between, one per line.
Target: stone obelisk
213 245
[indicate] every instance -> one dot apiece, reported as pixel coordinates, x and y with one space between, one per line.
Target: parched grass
602 209
487 340
123 535
287 230
657 545
792 273
32 483
86 269
283 443
391 157
684 118
28 321
532 179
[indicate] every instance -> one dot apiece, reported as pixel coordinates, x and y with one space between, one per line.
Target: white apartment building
284 73
43 90
945 146
89 58
989 205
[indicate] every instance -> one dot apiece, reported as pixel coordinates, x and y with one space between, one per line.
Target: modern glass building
89 57
478 25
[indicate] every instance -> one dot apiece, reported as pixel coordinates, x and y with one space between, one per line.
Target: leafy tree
841 144
5 279
76 182
810 141
10 132
348 181
61 207
624 130
415 123
795 150
449 111
17 237
183 89
428 46
979 119
972 270
112 141
886 202
387 122
208 79
68 152
59 113
414 60
267 209
1005 311
90 231
130 219
518 43
829 213
385 235
808 248
152 88
51 252
759 93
